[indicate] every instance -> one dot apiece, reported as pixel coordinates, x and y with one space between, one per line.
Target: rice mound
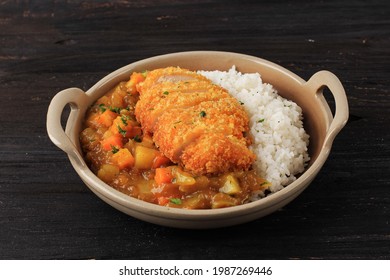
279 139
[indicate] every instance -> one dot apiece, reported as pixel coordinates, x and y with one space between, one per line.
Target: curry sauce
125 157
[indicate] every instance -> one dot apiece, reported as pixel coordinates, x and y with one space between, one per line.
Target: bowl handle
76 98
327 79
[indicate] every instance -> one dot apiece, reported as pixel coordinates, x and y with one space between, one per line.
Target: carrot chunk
113 141
125 127
163 175
120 126
135 78
106 118
160 160
134 131
123 159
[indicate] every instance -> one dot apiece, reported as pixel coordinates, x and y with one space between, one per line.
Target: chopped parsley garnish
124 119
115 109
137 138
260 121
264 183
144 73
165 92
102 108
175 201
122 131
114 149
202 114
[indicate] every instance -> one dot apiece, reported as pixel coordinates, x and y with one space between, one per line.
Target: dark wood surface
46 212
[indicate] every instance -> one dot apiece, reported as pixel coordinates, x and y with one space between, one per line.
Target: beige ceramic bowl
318 122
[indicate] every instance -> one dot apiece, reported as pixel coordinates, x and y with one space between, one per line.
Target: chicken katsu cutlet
194 122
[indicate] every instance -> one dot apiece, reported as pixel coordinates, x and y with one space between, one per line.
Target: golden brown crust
217 153
194 122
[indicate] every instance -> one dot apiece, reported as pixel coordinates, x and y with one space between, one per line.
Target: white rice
279 139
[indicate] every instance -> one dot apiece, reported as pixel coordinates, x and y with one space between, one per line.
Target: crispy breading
194 122
217 153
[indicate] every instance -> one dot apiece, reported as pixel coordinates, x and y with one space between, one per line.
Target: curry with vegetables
124 155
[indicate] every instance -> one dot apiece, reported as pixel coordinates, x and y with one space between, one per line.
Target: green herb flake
115 109
122 131
260 121
102 108
165 92
114 149
124 119
137 138
176 201
145 73
265 183
202 114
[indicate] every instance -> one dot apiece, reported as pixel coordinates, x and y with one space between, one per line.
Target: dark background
46 212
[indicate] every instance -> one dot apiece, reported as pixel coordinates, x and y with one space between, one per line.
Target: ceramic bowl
319 122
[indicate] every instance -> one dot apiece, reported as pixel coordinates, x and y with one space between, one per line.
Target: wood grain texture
46 212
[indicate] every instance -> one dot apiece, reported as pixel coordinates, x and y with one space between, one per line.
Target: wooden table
46 212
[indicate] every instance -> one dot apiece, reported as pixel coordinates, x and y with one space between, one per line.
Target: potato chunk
231 185
144 157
